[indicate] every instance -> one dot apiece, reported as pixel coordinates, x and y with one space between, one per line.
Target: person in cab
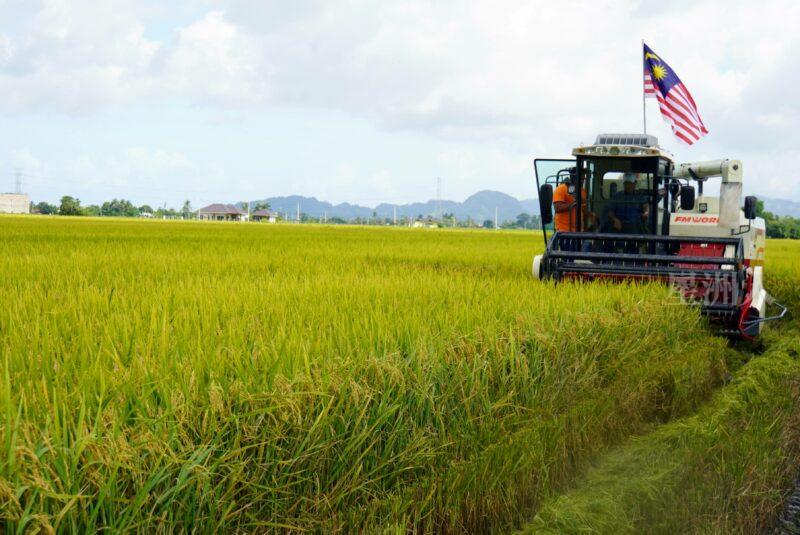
629 211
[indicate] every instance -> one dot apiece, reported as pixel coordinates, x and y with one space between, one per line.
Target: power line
113 186
157 193
222 193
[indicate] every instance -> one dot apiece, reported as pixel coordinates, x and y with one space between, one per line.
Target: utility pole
495 218
18 185
395 216
325 217
298 211
439 197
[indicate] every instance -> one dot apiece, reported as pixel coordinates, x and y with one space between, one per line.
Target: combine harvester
640 220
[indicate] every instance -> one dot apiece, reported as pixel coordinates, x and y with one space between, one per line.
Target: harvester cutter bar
656 258
715 281
615 254
645 238
646 271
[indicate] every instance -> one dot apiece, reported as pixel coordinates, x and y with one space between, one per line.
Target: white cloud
524 76
215 60
74 56
528 68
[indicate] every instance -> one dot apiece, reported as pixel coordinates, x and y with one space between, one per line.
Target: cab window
621 202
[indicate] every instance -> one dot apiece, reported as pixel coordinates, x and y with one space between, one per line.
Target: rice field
182 376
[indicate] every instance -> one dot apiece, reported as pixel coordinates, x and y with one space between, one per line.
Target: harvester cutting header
625 211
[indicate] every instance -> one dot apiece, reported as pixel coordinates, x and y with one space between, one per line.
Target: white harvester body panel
712 246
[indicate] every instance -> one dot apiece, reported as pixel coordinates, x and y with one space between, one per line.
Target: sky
371 101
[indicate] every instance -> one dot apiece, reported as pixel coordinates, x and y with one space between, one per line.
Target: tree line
779 226
114 208
71 206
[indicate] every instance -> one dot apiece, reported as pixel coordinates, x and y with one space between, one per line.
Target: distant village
257 212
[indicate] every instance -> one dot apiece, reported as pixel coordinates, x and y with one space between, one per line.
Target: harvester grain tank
635 215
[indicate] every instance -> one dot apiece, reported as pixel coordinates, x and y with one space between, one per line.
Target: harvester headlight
594 150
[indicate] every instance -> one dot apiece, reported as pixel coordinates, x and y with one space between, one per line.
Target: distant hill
479 207
530 205
314 207
781 206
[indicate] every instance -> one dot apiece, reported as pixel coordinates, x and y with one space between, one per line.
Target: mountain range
781 206
478 207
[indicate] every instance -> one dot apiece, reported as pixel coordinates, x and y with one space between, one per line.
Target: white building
265 215
15 203
221 212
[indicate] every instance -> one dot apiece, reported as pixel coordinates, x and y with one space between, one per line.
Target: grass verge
725 469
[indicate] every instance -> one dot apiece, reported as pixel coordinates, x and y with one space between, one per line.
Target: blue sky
369 102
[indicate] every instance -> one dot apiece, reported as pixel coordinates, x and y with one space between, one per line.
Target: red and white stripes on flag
649 86
680 112
674 100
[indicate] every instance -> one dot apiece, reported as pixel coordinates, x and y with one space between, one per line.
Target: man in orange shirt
566 219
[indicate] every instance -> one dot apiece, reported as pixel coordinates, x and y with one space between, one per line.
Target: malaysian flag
676 103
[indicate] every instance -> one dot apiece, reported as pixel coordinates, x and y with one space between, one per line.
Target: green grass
167 376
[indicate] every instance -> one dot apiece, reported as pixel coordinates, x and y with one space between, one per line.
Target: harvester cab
625 211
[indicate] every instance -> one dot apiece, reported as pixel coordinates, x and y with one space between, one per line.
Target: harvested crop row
223 377
724 470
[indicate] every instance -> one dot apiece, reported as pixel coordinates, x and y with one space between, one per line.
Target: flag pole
644 108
